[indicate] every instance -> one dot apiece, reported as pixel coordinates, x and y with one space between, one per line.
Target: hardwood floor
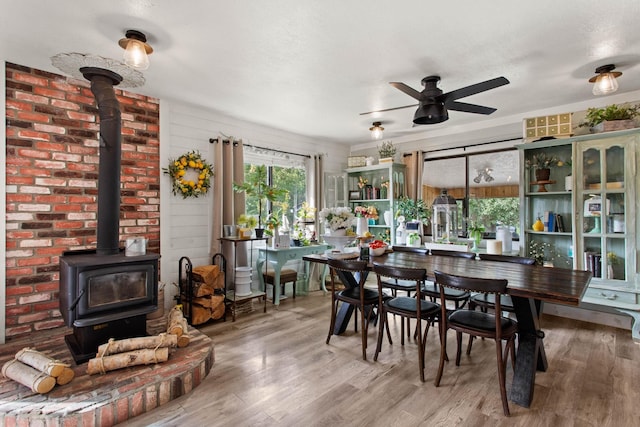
275 369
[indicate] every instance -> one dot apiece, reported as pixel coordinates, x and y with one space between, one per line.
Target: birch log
174 321
65 377
36 380
184 338
41 361
101 365
130 344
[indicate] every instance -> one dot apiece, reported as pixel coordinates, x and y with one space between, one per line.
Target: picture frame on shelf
355 195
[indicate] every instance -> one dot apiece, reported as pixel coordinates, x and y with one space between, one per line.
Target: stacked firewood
37 371
207 300
142 350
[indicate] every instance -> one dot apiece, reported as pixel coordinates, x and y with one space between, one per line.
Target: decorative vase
372 221
337 232
610 272
362 226
568 183
543 174
538 225
388 218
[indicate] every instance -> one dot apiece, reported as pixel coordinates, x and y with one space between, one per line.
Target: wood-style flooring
275 369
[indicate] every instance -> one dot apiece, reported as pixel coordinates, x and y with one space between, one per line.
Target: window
485 186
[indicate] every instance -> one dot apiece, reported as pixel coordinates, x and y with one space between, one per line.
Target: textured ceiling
310 67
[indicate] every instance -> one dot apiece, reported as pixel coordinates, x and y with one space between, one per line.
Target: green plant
541 160
257 187
386 150
475 231
595 116
612 258
413 209
247 221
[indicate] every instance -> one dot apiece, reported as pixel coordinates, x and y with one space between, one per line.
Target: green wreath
190 175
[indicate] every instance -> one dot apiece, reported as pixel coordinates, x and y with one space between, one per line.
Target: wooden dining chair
458 297
364 300
406 307
477 323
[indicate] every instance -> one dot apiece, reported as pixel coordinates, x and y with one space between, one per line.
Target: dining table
529 287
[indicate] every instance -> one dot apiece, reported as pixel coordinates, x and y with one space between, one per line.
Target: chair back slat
457 254
508 258
410 249
473 284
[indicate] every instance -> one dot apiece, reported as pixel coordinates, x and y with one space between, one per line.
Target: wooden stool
286 275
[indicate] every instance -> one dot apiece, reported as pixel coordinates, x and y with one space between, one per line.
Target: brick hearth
100 400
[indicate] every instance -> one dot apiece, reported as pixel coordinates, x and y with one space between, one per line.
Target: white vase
362 226
568 183
388 218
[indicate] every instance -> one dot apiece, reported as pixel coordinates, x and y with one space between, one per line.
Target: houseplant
475 232
386 152
245 224
413 210
541 163
622 115
257 188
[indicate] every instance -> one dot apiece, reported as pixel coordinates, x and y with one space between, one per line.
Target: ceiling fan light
136 49
605 82
429 114
376 130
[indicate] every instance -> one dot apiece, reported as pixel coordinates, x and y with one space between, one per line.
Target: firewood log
130 344
65 377
40 361
184 338
174 321
36 380
101 365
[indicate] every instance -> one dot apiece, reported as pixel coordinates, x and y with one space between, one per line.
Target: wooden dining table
529 287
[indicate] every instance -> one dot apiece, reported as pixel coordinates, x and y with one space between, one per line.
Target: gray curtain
228 167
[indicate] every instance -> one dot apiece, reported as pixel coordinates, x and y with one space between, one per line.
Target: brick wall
51 192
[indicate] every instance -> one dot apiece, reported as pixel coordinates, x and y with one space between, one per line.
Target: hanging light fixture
376 130
136 49
605 82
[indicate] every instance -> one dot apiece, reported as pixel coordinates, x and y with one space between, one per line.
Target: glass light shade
376 130
605 83
135 55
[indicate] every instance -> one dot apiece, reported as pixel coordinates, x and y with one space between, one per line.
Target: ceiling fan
433 104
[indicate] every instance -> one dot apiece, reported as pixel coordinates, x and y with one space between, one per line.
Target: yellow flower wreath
190 175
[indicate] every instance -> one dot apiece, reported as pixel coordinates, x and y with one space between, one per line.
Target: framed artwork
355 195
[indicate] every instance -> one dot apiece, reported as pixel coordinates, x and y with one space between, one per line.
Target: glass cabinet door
604 205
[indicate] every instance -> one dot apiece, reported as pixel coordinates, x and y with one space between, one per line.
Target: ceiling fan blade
469 108
473 89
406 89
388 109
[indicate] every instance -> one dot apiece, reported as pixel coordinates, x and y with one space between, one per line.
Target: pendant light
605 82
136 49
376 130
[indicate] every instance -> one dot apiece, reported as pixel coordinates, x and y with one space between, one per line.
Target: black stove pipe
102 82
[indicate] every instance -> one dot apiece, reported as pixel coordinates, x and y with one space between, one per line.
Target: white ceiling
310 67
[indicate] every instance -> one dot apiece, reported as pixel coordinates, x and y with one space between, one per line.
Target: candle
494 247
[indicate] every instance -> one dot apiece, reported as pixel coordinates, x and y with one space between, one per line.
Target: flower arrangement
537 251
386 150
366 212
541 161
612 258
190 175
475 230
362 182
385 184
246 221
306 212
337 218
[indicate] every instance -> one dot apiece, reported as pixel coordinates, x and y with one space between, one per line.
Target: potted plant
475 233
541 163
412 209
386 152
611 117
258 187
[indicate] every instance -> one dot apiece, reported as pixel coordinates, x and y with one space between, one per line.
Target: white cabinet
379 186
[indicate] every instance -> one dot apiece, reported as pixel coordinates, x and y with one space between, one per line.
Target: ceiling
311 67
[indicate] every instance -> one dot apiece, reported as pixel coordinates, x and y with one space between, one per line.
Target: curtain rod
226 141
464 147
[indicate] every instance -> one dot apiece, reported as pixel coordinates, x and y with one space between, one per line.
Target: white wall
185 223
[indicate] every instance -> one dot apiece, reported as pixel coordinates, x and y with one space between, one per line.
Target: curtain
414 163
228 167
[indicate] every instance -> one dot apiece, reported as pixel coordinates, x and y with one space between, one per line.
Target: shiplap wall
185 223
